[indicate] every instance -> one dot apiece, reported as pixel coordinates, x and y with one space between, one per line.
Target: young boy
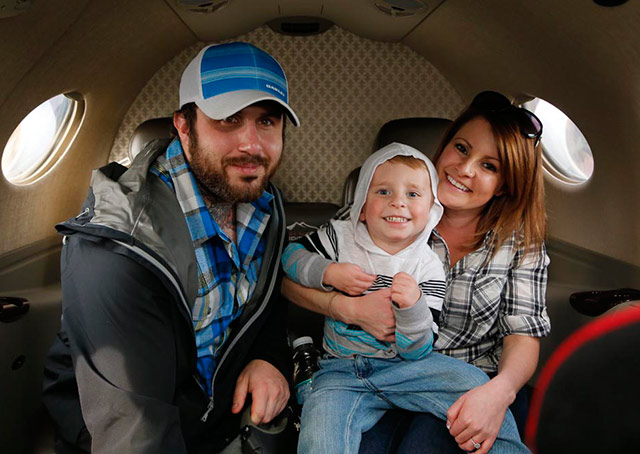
392 217
383 245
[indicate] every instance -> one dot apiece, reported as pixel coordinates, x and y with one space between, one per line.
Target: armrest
597 302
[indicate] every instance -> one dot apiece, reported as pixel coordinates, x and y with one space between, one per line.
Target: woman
490 240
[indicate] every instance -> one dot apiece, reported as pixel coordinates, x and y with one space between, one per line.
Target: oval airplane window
42 138
567 155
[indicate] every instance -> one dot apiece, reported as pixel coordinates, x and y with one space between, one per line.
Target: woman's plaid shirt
489 299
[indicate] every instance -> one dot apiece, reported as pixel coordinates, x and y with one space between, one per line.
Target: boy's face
397 207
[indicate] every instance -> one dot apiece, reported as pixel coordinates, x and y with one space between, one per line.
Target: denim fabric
403 432
350 395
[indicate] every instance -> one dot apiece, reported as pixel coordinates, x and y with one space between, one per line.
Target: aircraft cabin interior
80 81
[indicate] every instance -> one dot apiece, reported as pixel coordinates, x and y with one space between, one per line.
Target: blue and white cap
225 78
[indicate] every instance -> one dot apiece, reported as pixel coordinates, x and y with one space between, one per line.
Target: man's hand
268 388
404 290
348 278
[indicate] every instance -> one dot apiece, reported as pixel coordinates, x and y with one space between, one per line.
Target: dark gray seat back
148 130
423 134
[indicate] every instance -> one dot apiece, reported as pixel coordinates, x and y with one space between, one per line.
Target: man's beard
213 180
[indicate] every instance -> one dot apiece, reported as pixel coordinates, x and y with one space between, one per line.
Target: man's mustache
247 160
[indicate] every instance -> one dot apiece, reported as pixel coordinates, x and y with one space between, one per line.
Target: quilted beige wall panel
343 88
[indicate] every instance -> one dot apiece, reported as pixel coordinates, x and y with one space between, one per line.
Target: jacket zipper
208 410
253 318
148 257
247 325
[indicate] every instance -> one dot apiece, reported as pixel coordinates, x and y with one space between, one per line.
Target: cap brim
222 106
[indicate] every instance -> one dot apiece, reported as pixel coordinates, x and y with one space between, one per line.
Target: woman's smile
457 184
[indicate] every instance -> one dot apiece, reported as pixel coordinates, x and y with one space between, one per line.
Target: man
170 275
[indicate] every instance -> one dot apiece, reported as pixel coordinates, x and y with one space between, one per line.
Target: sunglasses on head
491 101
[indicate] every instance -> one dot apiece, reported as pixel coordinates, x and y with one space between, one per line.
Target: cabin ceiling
477 43
360 17
582 57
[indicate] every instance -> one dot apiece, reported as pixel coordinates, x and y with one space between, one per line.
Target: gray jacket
124 362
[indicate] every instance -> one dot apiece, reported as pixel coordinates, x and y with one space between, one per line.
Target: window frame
64 137
551 169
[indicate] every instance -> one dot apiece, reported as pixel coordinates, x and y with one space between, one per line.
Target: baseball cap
225 78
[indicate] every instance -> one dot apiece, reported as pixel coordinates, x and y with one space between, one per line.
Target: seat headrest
423 134
156 128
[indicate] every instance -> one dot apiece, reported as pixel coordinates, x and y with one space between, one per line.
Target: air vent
401 8
10 8
300 25
610 2
202 6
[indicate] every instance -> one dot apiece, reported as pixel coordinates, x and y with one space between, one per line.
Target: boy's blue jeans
350 395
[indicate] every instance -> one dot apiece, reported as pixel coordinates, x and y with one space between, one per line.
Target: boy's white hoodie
349 241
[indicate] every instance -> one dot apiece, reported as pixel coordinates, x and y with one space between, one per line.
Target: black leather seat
423 134
148 130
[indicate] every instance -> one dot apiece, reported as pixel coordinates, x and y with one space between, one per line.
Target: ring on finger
475 445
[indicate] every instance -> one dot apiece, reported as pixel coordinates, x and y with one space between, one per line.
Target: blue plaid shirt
227 271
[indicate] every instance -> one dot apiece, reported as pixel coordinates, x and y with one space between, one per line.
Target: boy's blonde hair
412 163
409 161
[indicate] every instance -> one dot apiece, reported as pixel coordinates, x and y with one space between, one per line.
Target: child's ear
362 218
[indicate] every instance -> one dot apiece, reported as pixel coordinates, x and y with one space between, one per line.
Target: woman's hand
348 278
371 312
478 414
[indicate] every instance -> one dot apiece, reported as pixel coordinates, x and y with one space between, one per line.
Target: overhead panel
9 8
382 20
232 19
202 6
313 8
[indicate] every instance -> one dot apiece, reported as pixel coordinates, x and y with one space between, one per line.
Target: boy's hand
404 290
348 278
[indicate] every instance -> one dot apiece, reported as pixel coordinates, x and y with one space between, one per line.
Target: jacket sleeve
304 267
306 260
416 326
414 336
120 321
271 343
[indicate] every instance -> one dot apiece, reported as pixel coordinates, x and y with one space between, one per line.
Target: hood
366 174
132 208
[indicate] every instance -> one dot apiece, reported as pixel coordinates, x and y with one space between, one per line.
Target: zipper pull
82 213
209 408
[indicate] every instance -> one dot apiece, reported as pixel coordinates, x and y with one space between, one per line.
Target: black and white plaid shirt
487 300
